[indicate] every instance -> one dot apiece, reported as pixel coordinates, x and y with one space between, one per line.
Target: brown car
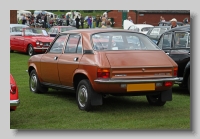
99 62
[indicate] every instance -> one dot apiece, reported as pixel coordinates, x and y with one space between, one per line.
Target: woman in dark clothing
77 22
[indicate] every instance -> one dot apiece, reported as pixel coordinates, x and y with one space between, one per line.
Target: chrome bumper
136 80
40 48
14 102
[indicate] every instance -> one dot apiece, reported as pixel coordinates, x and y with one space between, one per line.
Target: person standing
173 23
89 21
129 18
103 19
45 21
82 21
97 20
67 19
77 22
48 21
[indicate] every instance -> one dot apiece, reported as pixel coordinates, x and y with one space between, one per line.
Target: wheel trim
33 82
82 96
30 51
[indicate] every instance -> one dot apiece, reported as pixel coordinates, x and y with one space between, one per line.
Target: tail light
175 71
168 84
103 73
13 88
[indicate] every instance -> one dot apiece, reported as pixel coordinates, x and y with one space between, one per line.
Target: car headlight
37 42
41 43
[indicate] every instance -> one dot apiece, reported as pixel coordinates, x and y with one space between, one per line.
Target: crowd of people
101 21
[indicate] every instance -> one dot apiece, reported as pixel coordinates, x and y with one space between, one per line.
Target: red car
14 99
30 41
57 29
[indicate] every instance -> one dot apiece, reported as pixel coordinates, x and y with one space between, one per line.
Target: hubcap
33 82
30 51
82 96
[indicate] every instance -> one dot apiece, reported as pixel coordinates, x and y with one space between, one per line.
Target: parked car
14 98
16 28
176 44
168 23
30 41
100 62
155 32
143 28
57 29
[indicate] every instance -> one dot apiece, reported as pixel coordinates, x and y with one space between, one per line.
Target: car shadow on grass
111 103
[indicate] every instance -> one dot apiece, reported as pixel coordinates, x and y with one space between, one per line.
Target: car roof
97 30
180 28
18 25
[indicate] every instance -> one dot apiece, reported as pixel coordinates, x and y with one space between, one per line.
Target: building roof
161 11
164 11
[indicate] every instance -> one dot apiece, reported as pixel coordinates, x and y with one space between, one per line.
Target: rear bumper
14 102
173 79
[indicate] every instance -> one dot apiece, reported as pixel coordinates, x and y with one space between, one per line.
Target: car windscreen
122 41
35 32
62 29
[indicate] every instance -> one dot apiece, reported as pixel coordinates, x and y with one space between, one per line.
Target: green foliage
59 110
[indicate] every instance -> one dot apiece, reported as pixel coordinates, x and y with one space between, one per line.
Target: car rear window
122 41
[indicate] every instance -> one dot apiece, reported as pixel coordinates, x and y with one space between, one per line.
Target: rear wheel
30 50
34 83
83 95
155 100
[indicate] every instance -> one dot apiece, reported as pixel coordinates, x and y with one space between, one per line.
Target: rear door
69 61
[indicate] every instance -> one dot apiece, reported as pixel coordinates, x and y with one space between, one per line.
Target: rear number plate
141 87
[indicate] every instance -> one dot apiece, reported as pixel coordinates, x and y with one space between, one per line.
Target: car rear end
14 98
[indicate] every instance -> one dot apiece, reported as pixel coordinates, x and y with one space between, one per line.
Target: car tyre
83 95
30 50
34 83
188 83
155 100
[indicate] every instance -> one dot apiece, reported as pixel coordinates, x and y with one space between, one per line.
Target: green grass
58 109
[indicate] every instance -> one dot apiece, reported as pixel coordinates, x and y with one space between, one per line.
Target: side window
55 30
188 41
181 39
160 43
166 42
73 43
58 44
51 30
79 49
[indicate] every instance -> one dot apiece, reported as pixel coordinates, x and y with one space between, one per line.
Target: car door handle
55 58
76 59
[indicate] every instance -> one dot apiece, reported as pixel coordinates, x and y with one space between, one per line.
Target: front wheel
155 100
30 50
34 83
83 95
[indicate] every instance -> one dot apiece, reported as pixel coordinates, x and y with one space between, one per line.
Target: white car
143 28
16 28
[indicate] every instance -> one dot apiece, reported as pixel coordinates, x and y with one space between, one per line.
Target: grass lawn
58 109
